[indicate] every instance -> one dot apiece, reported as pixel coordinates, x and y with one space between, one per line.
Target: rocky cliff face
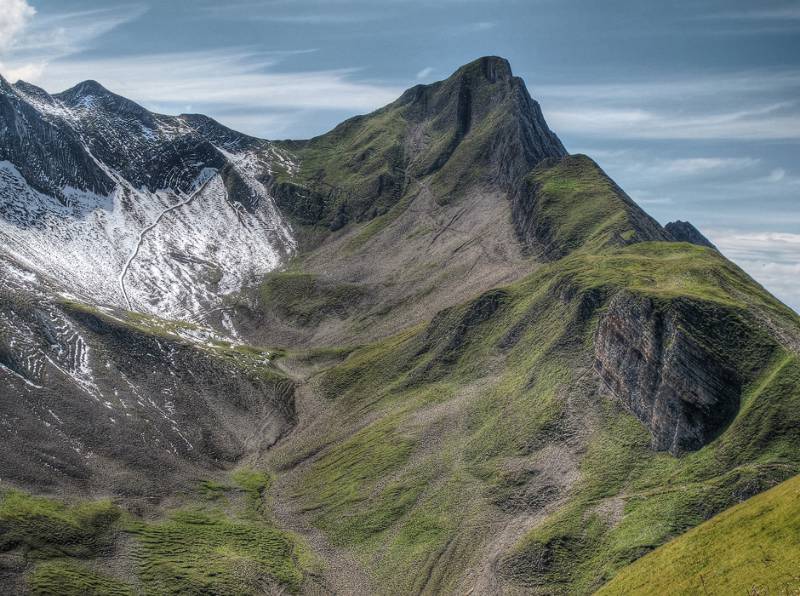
49 155
666 362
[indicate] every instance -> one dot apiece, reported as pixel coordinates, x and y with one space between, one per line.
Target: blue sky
692 106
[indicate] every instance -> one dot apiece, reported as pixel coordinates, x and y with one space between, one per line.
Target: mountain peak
84 90
684 231
5 85
489 68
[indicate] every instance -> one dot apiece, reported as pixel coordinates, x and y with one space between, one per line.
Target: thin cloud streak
754 106
231 78
50 38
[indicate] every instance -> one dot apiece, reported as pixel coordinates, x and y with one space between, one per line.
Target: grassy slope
402 490
578 207
752 548
438 432
220 540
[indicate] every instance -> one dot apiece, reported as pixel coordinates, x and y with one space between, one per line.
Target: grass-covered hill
752 548
488 371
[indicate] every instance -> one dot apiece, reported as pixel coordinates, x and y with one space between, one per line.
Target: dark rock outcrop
684 231
479 126
659 359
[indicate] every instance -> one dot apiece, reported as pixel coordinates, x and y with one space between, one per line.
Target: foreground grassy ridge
463 417
199 552
220 542
752 548
220 547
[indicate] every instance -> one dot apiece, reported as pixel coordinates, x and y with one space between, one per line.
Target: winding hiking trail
144 231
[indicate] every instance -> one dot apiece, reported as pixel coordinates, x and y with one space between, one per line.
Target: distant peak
88 88
490 68
684 231
5 85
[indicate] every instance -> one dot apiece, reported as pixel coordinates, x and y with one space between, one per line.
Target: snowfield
175 252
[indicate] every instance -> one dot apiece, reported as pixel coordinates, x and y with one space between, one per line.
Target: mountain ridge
425 352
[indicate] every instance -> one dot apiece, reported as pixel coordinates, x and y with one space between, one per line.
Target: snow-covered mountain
159 214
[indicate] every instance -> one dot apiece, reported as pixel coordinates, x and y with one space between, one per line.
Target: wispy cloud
734 106
425 73
318 18
229 77
788 12
772 258
48 38
631 164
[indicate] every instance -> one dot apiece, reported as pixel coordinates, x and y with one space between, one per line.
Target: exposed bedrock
672 364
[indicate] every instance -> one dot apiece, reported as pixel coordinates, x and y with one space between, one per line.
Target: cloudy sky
692 106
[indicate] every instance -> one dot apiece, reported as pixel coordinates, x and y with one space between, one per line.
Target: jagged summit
88 88
477 127
684 231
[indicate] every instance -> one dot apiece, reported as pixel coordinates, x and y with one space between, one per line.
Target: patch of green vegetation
667 269
253 483
203 548
577 207
61 577
197 551
662 496
306 298
212 490
213 545
346 477
143 323
752 548
44 528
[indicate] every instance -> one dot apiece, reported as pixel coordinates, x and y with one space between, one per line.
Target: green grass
663 496
70 578
341 481
253 483
44 528
201 551
216 542
222 545
579 206
305 298
752 548
401 507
